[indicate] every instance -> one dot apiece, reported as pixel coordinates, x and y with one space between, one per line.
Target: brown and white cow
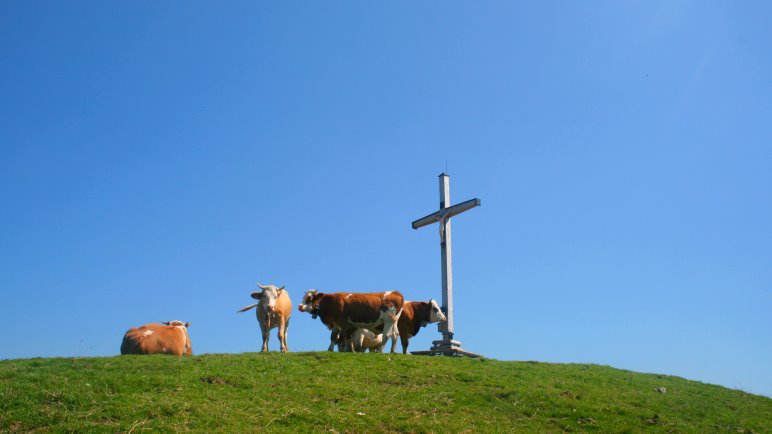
346 311
166 338
366 340
417 314
273 310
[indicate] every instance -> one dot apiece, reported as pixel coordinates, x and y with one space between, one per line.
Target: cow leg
286 330
383 342
358 340
348 341
405 340
266 334
390 318
283 326
334 337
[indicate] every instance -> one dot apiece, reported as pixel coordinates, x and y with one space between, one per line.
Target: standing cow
273 310
417 314
165 338
345 312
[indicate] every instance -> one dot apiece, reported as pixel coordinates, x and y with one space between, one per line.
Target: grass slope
335 392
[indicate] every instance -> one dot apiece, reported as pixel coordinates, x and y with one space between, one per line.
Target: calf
417 314
273 310
338 339
345 311
165 338
366 340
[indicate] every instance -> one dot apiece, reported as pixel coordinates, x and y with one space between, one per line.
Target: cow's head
310 302
268 296
435 313
176 323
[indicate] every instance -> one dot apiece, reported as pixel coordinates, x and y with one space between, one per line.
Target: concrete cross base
446 348
446 344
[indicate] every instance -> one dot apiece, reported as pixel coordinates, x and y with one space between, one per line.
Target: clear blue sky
159 158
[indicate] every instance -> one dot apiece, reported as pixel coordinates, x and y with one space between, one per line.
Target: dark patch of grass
336 392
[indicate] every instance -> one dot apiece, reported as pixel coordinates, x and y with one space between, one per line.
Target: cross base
446 347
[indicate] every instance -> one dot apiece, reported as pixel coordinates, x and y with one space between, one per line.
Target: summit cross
447 345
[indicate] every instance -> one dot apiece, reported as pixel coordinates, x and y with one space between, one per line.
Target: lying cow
165 338
364 339
345 311
273 310
417 314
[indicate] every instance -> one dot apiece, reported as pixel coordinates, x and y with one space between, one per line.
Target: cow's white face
268 296
306 305
436 315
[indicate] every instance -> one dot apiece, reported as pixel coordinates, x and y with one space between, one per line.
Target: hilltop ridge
343 392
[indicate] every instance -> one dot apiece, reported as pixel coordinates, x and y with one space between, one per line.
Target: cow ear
187 324
257 295
165 322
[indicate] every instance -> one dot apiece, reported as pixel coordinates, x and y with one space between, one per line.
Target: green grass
338 392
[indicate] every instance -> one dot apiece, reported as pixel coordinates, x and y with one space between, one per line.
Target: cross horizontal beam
446 213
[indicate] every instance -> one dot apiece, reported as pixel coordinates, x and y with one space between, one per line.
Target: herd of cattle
357 321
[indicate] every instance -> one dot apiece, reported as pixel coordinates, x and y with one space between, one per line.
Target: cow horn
261 286
282 288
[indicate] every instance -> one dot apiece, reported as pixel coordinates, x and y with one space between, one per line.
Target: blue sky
159 158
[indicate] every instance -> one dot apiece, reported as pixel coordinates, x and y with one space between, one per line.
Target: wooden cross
447 345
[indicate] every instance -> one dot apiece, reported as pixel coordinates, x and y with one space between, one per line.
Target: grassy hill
334 392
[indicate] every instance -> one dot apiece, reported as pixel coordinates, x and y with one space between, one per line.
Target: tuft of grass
344 392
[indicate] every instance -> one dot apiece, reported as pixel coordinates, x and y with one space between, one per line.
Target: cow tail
246 308
396 317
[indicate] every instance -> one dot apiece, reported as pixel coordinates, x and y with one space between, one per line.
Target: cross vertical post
446 256
447 345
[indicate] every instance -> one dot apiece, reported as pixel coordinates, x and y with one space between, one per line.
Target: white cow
273 310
